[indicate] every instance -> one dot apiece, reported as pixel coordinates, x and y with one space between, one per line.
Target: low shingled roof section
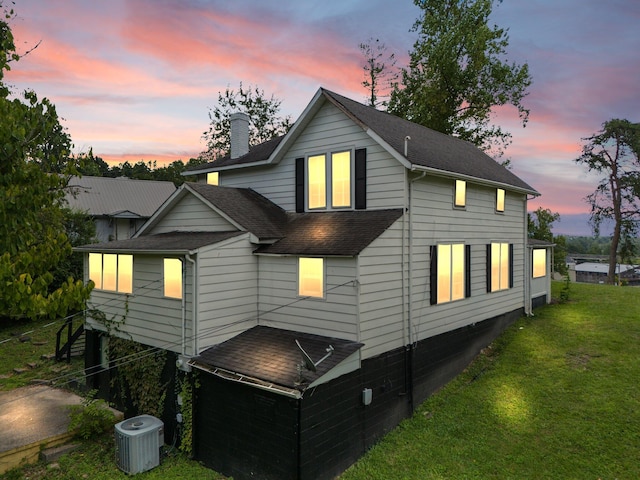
271 355
255 213
339 233
171 241
429 148
257 153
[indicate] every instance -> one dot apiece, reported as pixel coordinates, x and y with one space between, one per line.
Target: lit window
95 269
213 178
500 200
317 182
111 272
500 264
172 278
451 272
341 179
329 180
461 193
539 262
311 277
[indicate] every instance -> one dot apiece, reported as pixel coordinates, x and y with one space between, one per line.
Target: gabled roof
427 149
246 208
172 242
105 196
269 356
339 233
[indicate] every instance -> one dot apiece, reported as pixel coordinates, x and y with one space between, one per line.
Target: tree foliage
32 231
457 74
264 123
614 153
380 74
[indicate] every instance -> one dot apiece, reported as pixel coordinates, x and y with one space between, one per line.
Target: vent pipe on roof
239 134
406 145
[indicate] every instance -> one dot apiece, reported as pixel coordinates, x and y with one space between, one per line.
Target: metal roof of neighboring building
106 196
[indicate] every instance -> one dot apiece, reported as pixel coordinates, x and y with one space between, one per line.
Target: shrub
91 418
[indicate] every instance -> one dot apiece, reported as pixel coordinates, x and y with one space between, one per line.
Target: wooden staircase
74 341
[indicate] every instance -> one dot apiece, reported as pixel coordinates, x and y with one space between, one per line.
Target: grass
23 345
556 396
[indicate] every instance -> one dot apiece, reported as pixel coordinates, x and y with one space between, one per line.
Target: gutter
476 180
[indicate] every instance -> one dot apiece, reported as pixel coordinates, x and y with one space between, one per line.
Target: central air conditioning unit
138 443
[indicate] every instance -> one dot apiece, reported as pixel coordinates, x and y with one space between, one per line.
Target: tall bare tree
380 73
614 154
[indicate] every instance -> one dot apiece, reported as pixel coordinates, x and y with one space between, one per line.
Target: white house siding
189 215
149 317
382 322
435 220
227 291
330 130
280 306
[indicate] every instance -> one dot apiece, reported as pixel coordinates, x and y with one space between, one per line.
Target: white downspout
527 263
194 303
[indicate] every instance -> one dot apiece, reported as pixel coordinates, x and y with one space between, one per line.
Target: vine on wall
186 409
139 374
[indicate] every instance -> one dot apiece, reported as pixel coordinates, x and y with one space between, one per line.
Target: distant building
589 272
119 206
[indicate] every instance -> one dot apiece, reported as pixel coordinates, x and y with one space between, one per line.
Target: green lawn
556 397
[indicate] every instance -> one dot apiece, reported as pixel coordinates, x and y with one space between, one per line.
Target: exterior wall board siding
328 131
190 214
149 317
381 294
280 306
227 291
435 220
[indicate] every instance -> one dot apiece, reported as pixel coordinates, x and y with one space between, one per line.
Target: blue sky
134 79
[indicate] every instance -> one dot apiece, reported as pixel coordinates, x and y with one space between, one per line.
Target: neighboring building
119 206
328 283
589 272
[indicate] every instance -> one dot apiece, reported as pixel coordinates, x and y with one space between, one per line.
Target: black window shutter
361 179
488 267
433 275
467 266
511 265
300 185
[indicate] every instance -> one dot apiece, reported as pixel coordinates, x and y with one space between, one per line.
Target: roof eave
481 181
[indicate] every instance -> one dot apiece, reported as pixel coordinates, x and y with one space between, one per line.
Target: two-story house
322 284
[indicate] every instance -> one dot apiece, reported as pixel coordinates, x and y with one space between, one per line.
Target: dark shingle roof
344 233
164 242
271 355
427 147
252 211
258 153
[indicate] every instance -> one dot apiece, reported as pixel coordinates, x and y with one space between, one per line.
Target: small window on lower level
539 262
311 277
173 277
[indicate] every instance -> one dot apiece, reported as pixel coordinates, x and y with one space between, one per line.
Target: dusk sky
134 79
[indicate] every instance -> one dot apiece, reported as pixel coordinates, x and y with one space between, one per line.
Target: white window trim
450 272
118 289
456 186
328 165
323 280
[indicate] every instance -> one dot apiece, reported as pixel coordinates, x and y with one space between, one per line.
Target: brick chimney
239 134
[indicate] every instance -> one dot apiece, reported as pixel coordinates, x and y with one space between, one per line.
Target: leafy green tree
32 232
614 153
457 74
264 125
379 71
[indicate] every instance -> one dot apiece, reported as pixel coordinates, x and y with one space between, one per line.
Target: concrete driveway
32 416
